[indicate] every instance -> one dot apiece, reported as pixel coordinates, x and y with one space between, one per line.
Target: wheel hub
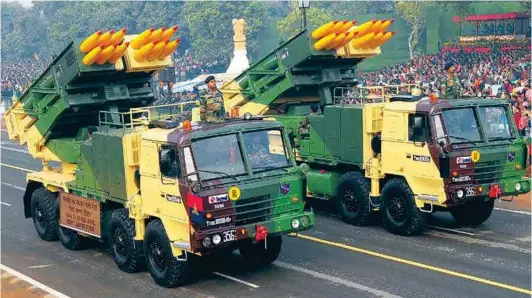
119 242
350 201
157 256
397 209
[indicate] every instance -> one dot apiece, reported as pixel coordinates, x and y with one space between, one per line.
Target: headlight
295 223
518 186
460 193
207 242
216 239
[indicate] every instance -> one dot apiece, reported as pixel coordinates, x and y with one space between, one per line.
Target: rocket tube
385 38
323 42
365 28
347 25
104 39
156 35
350 36
359 42
167 34
323 30
117 37
92 55
157 50
141 39
119 51
372 43
90 42
140 54
336 41
105 54
169 48
385 25
337 28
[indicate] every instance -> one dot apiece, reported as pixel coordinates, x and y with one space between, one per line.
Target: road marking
486 243
5 204
15 150
17 168
513 211
237 280
13 186
39 266
336 280
416 264
34 282
452 230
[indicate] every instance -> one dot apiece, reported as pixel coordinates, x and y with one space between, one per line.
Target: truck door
161 198
419 162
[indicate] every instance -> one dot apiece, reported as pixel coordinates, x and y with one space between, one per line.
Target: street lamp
303 6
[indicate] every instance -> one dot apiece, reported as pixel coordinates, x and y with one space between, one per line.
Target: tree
291 25
414 14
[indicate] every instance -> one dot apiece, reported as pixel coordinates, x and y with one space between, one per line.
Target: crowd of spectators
493 72
187 67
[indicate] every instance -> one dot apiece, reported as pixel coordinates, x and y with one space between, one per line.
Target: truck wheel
43 212
165 269
473 213
69 238
399 212
127 254
257 256
352 199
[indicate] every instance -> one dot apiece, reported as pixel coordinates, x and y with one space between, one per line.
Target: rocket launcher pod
169 48
359 43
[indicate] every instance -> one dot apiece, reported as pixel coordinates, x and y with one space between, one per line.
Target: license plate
229 236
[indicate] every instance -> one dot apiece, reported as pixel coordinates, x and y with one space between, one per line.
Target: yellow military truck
400 156
159 190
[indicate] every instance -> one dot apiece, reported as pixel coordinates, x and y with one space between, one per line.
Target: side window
189 164
418 128
438 129
168 161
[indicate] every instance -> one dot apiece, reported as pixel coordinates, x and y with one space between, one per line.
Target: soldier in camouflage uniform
305 124
452 85
211 103
257 153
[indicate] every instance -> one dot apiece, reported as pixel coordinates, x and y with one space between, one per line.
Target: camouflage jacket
211 107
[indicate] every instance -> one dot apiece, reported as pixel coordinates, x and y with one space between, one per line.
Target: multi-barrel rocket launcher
106 71
306 67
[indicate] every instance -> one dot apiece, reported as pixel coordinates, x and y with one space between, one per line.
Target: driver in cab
257 153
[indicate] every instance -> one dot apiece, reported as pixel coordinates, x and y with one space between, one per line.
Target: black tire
398 209
164 268
69 238
473 213
44 214
352 199
128 255
256 255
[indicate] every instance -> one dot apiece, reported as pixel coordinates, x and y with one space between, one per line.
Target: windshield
462 125
218 157
495 123
265 150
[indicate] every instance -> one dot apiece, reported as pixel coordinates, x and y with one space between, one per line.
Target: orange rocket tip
112 31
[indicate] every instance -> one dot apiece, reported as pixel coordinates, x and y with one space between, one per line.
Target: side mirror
445 165
305 168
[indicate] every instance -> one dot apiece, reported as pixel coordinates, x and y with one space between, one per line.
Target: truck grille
252 210
488 171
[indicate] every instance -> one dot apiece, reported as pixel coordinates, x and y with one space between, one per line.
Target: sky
25 3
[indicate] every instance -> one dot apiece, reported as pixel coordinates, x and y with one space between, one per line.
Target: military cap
208 79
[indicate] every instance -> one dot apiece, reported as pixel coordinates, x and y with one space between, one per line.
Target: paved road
332 260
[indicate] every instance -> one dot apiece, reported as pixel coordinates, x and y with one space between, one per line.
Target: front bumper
510 187
231 235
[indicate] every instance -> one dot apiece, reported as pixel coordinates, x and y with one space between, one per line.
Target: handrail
141 117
